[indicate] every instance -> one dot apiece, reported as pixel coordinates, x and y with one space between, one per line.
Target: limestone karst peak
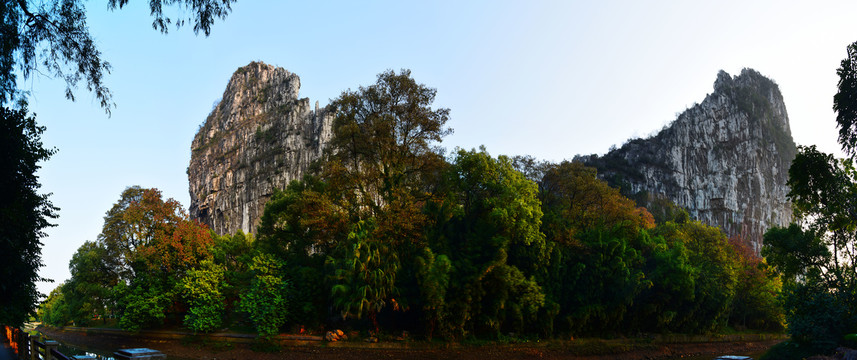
725 160
258 138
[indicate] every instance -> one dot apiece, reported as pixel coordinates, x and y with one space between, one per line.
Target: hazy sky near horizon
550 79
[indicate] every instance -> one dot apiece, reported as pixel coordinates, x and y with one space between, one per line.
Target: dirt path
319 350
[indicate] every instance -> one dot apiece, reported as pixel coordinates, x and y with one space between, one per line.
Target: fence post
16 337
50 344
23 344
34 349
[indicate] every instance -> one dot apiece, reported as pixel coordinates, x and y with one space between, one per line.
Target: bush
266 300
203 290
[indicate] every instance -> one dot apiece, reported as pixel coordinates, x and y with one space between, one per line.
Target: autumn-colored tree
598 246
757 303
302 222
151 244
576 200
132 223
177 247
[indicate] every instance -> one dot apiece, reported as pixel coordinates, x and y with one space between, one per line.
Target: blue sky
546 78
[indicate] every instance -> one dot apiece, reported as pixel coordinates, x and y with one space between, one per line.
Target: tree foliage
388 235
52 37
757 303
845 101
816 255
384 138
266 300
488 227
88 290
203 290
147 258
715 275
24 214
365 277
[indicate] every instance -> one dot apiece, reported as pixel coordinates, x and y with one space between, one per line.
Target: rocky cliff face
259 137
726 160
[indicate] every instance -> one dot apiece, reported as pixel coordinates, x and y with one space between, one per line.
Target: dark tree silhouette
23 214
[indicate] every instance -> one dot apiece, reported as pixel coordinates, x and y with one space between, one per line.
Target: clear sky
546 78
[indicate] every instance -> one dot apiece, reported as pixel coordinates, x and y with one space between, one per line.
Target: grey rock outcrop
258 138
725 160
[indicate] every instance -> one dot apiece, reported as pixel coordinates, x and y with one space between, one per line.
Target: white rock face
258 138
726 160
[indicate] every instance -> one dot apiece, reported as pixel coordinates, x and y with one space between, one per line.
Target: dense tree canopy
388 235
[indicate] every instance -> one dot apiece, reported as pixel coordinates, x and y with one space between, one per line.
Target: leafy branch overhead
52 38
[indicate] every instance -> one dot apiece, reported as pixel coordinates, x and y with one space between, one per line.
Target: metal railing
31 347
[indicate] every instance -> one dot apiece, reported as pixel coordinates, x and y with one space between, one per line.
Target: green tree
433 273
384 141
365 277
233 253
203 290
23 212
88 290
816 255
144 303
845 101
488 226
715 270
54 310
673 284
266 301
300 226
603 278
52 37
